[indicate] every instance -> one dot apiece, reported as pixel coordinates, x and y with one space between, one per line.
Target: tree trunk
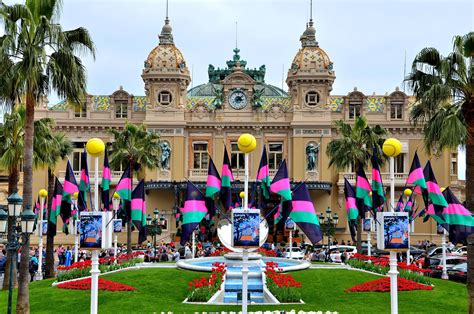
468 112
12 187
49 267
23 302
129 217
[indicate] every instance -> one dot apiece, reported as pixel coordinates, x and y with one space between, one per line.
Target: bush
282 286
202 289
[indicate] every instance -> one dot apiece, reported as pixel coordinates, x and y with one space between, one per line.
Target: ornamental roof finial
308 39
166 36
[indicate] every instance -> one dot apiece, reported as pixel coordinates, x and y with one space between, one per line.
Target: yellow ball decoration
116 195
408 192
246 143
43 193
442 189
75 195
370 193
95 147
392 147
242 194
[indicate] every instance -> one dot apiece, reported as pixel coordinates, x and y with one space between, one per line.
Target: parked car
436 251
414 251
348 250
435 263
296 253
461 251
458 273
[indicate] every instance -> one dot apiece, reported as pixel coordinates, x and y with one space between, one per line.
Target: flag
416 177
458 218
69 189
351 207
138 210
304 214
213 187
227 179
436 198
378 195
282 213
55 207
84 183
281 183
263 175
105 185
363 190
400 204
124 189
193 211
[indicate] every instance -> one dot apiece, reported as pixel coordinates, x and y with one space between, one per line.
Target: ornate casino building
195 122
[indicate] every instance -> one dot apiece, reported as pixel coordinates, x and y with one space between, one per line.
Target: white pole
95 254
408 251
245 269
194 244
393 272
369 245
115 249
291 244
443 243
39 274
76 233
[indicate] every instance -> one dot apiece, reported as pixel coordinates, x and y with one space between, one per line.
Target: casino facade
195 122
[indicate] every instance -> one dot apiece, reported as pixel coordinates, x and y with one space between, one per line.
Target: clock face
238 100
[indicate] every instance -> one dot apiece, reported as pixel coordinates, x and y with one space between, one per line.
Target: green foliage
356 144
284 294
134 144
443 87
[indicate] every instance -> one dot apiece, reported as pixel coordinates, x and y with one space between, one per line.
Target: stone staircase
233 285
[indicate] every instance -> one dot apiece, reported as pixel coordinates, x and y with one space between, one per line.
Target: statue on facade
257 94
312 151
165 155
218 97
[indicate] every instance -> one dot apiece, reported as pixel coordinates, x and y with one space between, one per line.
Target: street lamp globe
328 212
321 218
27 220
336 218
148 220
3 220
156 213
14 204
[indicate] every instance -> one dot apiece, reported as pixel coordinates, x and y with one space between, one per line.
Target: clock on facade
238 100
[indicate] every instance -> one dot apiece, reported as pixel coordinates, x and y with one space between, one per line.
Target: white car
295 253
462 251
348 250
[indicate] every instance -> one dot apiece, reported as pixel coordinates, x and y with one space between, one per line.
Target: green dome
207 90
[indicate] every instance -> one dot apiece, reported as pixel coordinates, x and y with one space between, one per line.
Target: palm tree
39 57
355 147
55 147
136 146
444 92
11 155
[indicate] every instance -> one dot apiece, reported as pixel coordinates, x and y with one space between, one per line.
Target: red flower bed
108 260
202 289
85 284
384 261
220 252
383 285
266 252
281 280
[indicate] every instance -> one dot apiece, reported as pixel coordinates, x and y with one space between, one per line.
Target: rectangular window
200 155
236 157
396 111
400 163
454 164
76 160
354 111
121 110
80 111
275 155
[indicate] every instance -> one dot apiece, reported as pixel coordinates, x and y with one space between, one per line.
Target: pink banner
283 184
124 184
213 181
227 172
433 187
363 183
303 206
456 209
415 175
194 206
106 173
351 203
263 172
137 203
70 188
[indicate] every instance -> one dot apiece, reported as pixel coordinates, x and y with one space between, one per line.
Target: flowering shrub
202 289
383 285
85 284
221 252
380 265
266 252
282 286
82 269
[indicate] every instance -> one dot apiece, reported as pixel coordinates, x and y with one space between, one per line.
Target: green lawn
165 289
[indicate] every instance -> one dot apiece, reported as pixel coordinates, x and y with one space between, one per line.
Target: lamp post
392 148
74 230
115 204
154 225
42 194
24 224
408 193
328 221
95 147
246 143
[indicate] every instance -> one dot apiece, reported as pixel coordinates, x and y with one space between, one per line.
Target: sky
367 40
